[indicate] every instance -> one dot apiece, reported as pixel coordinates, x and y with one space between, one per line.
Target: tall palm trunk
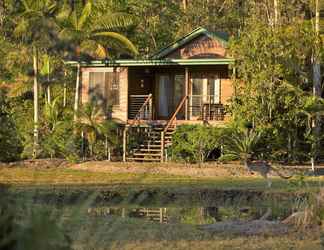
64 90
35 66
184 4
77 93
48 89
276 12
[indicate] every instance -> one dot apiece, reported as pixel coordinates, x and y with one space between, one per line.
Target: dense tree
35 25
86 32
274 76
10 144
277 45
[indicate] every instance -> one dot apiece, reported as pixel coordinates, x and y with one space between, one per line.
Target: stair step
162 128
151 145
143 159
147 154
149 150
157 141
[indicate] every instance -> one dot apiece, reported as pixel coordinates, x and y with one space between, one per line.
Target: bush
195 143
10 144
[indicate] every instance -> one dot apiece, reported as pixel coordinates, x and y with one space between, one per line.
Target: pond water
189 206
131 218
186 215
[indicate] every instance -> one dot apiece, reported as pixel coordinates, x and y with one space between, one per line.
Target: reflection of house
186 82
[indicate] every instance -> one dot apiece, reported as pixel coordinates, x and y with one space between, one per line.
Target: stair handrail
174 116
147 101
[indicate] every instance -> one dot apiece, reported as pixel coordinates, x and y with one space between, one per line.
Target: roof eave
169 62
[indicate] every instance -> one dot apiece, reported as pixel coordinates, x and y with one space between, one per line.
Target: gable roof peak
222 37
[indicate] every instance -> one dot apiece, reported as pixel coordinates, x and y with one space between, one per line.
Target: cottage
187 82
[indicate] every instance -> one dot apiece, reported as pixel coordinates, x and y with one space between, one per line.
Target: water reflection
194 215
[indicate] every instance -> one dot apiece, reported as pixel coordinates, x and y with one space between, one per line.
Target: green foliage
241 143
91 29
273 81
274 74
299 180
195 143
195 216
10 144
92 125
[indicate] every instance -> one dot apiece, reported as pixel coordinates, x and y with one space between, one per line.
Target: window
112 85
97 88
214 90
104 88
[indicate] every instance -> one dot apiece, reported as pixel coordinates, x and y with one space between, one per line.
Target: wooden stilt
186 91
124 143
162 146
82 146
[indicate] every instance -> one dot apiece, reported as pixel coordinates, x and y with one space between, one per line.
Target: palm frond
74 20
113 21
101 51
20 88
45 68
118 37
85 14
90 47
21 28
241 144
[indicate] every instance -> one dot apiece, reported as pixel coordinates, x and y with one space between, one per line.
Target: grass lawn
130 234
68 176
137 234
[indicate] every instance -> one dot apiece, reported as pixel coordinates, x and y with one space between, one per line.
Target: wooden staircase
157 138
154 214
153 147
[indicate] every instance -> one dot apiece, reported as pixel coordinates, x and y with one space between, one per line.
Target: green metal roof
220 36
153 62
158 60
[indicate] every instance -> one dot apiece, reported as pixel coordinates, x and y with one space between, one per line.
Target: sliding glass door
205 91
171 90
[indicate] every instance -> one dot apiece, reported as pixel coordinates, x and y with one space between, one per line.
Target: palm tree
35 25
90 124
241 144
87 32
45 72
314 110
108 130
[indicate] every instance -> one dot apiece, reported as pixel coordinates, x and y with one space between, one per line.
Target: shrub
10 143
195 143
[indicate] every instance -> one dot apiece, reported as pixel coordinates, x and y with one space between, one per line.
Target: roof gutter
148 62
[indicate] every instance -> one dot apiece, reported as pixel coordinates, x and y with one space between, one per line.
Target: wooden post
161 215
162 146
124 143
82 146
186 91
35 88
77 93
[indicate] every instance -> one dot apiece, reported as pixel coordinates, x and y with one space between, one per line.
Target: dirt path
205 170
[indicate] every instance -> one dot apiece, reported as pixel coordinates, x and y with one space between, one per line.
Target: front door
165 99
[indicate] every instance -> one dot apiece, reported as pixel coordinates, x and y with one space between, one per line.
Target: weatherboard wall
119 112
